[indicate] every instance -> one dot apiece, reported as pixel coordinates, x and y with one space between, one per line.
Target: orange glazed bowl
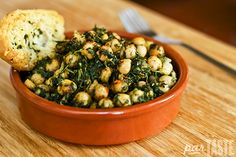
102 126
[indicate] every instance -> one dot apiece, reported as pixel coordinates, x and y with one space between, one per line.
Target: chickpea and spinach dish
100 69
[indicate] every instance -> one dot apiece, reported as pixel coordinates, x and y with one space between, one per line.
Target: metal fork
135 23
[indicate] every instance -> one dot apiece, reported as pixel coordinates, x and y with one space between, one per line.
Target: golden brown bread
27 36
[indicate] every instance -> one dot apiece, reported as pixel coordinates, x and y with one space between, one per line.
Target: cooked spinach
81 84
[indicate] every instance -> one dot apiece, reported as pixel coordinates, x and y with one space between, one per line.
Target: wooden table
208 107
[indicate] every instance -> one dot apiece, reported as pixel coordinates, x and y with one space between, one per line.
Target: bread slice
27 36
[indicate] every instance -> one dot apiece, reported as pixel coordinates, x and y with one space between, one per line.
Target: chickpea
130 51
164 88
66 87
154 62
92 87
141 50
104 37
139 41
107 48
152 79
122 100
150 93
104 57
92 33
89 45
100 92
57 72
122 77
85 52
122 52
82 99
141 83
156 50
106 74
137 95
116 36
119 86
53 66
44 87
167 80
144 64
105 103
40 91
37 78
167 67
29 84
80 38
71 60
49 81
166 59
64 100
115 45
148 44
108 44
173 75
124 66
64 74
93 105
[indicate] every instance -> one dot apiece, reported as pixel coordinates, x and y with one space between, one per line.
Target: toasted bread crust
42 29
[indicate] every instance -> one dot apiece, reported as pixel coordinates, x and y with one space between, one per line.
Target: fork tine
126 21
131 18
138 24
130 25
139 20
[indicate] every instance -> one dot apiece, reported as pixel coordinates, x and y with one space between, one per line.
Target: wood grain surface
208 107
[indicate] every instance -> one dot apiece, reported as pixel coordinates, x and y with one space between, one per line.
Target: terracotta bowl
102 126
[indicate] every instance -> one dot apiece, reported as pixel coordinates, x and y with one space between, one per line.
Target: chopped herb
30 22
19 47
40 31
26 36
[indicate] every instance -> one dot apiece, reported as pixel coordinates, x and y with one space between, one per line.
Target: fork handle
210 59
